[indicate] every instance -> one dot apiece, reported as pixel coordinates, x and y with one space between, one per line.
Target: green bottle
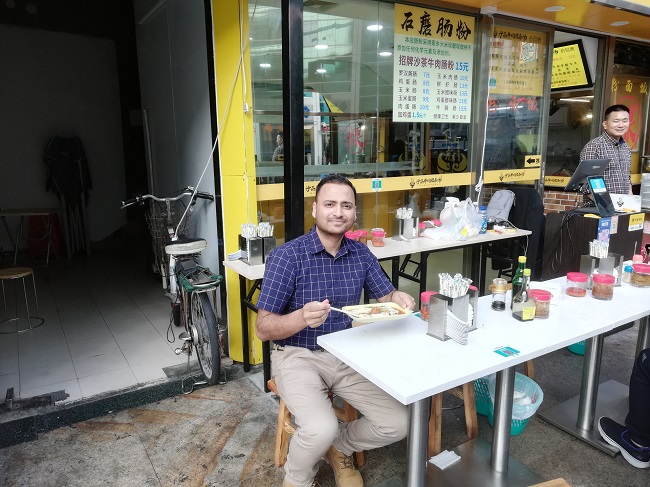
523 306
518 278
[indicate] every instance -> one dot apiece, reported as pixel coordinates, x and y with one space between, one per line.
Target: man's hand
315 313
400 298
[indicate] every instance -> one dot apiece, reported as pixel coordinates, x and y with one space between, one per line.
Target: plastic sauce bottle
523 305
518 278
482 212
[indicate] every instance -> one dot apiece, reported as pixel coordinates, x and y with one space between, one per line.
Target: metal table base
473 469
612 402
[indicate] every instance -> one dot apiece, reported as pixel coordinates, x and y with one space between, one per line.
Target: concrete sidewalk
224 436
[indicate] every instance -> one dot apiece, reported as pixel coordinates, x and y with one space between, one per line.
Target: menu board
433 66
570 68
517 61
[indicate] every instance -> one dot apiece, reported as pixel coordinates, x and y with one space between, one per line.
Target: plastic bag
461 220
527 397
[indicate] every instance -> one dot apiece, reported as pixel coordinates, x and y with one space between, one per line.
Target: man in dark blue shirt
303 278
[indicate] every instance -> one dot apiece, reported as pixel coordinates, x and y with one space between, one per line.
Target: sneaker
345 474
618 436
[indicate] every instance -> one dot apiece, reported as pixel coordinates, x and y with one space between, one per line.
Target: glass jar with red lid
576 284
603 286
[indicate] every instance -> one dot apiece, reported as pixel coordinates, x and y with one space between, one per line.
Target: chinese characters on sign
632 91
517 62
433 65
569 66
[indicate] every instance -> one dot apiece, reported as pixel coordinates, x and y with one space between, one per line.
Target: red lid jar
542 300
425 297
576 284
640 275
603 286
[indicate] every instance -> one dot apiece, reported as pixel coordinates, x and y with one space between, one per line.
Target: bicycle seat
186 245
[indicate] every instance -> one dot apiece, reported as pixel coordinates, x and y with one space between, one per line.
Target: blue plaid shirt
301 271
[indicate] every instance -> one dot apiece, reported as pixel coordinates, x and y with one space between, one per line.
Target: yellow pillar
236 149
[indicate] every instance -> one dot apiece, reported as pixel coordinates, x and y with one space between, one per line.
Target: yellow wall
236 155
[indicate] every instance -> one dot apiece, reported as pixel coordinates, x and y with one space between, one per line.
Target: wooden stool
466 393
285 427
20 323
553 483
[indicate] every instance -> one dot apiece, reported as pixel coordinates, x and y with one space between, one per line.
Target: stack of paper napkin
444 459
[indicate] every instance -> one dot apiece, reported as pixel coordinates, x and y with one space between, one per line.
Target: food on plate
376 311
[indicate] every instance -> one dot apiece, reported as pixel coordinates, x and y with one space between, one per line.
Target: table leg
643 339
424 258
589 386
503 394
244 324
395 271
417 442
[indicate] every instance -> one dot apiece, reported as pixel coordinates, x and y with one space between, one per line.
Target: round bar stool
20 323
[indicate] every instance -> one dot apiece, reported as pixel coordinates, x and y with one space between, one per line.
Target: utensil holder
438 306
605 265
268 244
405 228
252 250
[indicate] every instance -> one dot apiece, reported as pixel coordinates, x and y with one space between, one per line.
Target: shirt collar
314 245
612 140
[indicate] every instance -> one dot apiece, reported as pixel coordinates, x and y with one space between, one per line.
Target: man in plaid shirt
302 279
610 145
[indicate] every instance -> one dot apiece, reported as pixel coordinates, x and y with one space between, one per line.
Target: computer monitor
586 168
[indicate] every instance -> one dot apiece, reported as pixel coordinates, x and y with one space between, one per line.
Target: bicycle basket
158 219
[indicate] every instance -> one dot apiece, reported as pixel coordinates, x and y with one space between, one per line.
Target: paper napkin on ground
444 459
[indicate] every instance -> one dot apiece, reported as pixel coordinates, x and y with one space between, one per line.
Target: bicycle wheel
207 346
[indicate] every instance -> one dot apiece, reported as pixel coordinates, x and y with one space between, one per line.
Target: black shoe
618 436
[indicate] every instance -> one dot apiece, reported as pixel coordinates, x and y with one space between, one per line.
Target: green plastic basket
516 426
577 348
482 396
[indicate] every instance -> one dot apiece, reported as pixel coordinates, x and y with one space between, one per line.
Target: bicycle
189 285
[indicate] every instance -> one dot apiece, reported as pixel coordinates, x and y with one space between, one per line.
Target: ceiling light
321 46
385 53
321 70
556 8
265 65
619 23
375 27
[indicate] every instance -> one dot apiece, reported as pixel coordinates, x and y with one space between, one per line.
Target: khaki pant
303 378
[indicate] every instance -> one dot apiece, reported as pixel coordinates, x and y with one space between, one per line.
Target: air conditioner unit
560 118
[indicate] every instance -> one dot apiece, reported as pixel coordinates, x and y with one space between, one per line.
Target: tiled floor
106 328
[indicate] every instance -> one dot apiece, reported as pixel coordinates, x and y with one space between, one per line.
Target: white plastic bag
527 397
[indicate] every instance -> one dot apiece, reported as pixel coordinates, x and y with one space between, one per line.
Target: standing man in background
278 153
610 145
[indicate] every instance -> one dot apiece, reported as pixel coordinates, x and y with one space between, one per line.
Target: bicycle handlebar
184 192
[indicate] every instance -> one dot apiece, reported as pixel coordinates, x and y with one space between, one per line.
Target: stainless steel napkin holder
252 251
438 306
268 244
605 265
405 228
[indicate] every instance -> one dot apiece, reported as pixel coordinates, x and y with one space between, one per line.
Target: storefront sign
556 181
510 175
517 62
433 66
636 221
570 69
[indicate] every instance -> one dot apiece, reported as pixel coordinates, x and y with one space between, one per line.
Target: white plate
403 313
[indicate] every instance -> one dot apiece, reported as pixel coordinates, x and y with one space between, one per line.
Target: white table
392 249
421 366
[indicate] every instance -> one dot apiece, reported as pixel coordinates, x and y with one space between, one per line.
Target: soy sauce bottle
518 278
523 306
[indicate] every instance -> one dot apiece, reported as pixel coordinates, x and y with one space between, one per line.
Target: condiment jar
627 273
425 298
542 300
499 286
377 235
576 284
352 235
363 236
603 286
640 275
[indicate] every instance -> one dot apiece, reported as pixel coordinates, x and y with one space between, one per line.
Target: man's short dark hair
336 179
616 108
